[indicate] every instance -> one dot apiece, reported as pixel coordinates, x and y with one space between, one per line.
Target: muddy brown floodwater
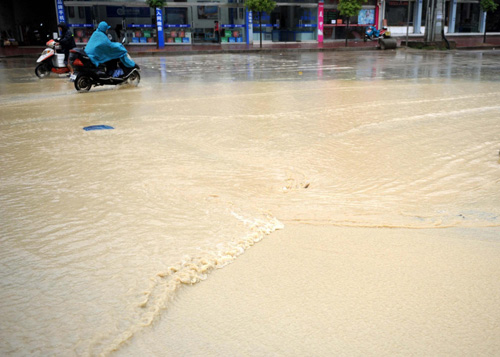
101 231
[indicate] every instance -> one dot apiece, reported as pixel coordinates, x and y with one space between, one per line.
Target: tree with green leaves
349 8
154 4
487 6
260 6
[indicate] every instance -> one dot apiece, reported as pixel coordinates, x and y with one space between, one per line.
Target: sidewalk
464 42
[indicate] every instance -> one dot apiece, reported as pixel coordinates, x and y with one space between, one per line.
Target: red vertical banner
321 16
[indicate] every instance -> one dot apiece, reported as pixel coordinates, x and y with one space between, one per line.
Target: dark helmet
63 26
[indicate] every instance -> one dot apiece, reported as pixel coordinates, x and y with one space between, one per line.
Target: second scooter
51 61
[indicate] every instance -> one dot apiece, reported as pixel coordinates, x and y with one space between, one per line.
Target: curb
249 51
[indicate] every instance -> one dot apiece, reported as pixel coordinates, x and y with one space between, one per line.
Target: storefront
458 16
191 22
136 23
195 23
288 23
184 23
335 25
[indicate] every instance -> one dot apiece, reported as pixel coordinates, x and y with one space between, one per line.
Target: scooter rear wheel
42 70
83 83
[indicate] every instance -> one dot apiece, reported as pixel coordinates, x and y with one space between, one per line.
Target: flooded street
209 155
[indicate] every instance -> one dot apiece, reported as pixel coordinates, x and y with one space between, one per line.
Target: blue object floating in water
97 127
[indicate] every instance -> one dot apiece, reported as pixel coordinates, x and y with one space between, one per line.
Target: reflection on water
327 65
209 155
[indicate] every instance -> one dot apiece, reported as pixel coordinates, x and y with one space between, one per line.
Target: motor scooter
114 72
371 33
51 61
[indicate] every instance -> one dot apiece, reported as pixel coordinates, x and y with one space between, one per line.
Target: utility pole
434 21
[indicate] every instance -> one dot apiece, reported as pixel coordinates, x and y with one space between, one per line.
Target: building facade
191 22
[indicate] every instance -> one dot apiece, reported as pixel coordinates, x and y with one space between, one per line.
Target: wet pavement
462 42
210 154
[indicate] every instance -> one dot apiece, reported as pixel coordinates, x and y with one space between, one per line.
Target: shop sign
140 26
176 26
366 17
120 11
61 15
321 16
159 27
81 25
249 26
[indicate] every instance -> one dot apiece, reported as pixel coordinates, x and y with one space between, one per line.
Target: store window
467 17
137 24
80 20
294 23
232 25
307 26
397 13
140 24
177 25
263 19
335 27
493 21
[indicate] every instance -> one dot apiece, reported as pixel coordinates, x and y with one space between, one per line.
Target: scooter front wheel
134 79
42 70
83 83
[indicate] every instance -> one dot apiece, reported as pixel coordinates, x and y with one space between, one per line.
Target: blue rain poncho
100 49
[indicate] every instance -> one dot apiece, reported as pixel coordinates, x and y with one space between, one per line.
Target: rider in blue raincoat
100 49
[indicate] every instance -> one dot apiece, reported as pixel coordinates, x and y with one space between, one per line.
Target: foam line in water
189 271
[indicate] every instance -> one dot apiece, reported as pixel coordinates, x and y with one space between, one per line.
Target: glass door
306 23
232 24
292 23
285 22
205 27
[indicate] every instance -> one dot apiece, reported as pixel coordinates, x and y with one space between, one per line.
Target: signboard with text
366 17
159 27
321 15
249 27
61 14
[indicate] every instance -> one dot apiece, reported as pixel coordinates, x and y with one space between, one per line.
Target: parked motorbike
51 61
371 33
113 72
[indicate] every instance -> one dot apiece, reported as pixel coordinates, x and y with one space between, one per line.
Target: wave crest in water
189 271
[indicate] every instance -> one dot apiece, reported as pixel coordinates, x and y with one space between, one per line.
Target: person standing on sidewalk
216 31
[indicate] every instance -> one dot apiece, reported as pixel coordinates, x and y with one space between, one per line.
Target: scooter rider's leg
127 61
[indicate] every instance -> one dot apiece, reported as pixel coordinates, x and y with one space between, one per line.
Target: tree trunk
347 31
260 27
485 23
